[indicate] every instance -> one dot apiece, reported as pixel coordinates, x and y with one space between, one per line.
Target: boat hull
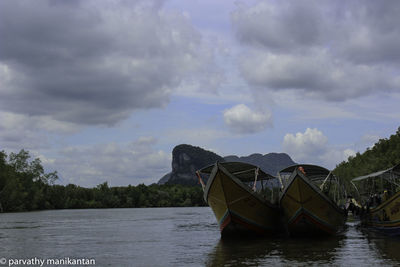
307 211
385 217
239 211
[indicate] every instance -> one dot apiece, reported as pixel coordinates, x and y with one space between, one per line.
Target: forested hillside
384 154
24 186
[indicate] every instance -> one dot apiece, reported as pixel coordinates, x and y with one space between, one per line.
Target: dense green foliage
24 186
383 155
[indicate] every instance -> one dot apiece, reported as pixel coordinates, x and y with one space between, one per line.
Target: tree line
24 186
384 154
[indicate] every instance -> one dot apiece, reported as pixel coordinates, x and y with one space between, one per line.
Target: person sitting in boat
302 170
353 206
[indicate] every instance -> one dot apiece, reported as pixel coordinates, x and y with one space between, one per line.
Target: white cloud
19 131
348 153
119 164
241 119
313 147
302 146
369 139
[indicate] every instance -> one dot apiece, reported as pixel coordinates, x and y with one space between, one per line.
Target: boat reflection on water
315 251
275 251
244 252
388 247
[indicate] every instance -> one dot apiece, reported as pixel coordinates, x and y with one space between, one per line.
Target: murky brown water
176 237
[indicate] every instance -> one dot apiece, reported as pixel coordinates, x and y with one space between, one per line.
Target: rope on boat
200 180
255 179
280 181
323 183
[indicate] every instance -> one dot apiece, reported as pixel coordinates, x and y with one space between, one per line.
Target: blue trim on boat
226 214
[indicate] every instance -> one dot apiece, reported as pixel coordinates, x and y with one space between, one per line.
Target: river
173 237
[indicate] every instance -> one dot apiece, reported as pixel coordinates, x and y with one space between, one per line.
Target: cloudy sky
103 90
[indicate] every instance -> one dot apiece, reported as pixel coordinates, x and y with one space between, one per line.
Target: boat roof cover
311 170
243 171
395 168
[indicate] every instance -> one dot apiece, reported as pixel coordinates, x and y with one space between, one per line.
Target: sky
104 90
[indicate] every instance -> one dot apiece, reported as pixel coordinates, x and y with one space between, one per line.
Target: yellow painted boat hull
385 217
307 211
238 210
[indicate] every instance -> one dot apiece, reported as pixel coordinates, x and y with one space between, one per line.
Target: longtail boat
380 200
311 200
239 207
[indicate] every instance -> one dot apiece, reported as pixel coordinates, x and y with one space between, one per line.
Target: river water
174 237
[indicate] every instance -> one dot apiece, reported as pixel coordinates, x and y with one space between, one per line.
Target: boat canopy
395 169
243 171
311 170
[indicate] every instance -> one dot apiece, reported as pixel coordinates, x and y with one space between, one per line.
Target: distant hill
186 159
384 154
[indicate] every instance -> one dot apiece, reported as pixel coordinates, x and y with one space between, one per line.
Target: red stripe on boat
314 221
225 222
248 225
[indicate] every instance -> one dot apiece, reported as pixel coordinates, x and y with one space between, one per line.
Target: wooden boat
380 200
310 200
239 210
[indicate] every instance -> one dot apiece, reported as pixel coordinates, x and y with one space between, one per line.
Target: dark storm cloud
287 26
370 32
330 50
91 62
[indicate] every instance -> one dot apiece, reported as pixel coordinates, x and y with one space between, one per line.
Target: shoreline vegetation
385 153
24 186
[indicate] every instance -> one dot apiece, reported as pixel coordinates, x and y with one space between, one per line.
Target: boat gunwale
209 182
383 224
385 203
